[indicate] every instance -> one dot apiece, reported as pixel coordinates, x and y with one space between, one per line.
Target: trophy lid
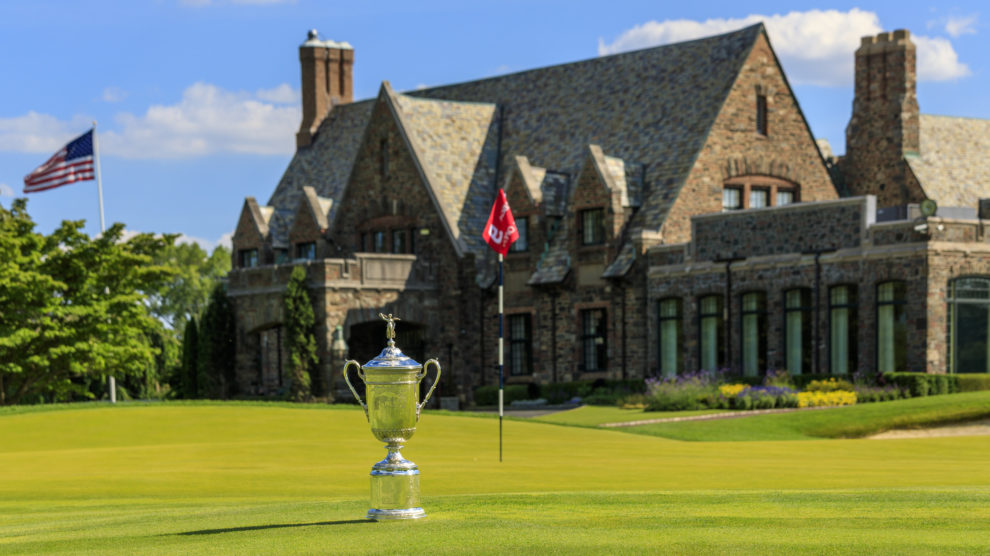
391 357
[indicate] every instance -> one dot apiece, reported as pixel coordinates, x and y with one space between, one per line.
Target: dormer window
592 226
761 114
521 244
248 258
306 251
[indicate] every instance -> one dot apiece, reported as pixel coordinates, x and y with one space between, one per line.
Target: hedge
973 382
924 384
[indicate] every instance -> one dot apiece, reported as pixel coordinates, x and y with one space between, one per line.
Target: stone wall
734 147
926 260
798 228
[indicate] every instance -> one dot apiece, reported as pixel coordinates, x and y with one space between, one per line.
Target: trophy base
395 489
382 515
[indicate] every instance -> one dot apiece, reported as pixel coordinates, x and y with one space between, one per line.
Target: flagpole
99 181
500 362
103 229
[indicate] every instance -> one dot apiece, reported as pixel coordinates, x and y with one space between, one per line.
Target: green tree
72 309
300 341
181 299
216 345
196 274
188 383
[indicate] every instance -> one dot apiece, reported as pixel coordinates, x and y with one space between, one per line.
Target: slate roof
954 164
452 142
653 106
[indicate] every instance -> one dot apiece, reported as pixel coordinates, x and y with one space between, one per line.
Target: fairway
237 478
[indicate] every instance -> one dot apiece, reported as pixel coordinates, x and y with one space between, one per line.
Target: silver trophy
392 391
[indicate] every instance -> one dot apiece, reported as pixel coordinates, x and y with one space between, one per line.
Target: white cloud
113 94
205 244
6 190
957 26
208 120
937 60
283 94
815 47
39 133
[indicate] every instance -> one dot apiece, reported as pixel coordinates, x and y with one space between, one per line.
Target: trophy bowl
393 408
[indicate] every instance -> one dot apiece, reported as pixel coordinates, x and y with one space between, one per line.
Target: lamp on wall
338 354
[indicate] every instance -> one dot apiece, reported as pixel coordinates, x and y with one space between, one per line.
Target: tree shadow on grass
272 526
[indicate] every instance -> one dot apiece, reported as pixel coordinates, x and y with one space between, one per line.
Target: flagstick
500 349
103 229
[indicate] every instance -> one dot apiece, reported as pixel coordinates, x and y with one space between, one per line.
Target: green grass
589 415
264 478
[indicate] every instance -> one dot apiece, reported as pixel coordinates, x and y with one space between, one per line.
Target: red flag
500 231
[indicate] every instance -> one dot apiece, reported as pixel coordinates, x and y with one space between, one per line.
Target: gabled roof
317 208
531 177
655 105
256 216
448 140
954 164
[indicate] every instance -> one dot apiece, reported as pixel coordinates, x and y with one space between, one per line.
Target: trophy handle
432 388
353 391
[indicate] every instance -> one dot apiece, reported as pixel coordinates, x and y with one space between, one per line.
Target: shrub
633 401
778 378
923 384
868 394
826 399
972 382
829 385
689 391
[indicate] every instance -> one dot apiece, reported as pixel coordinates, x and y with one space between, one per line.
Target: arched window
744 192
969 325
891 327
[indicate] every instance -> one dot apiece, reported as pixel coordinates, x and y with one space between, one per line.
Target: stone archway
367 340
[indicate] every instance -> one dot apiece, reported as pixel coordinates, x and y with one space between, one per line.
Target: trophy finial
389 325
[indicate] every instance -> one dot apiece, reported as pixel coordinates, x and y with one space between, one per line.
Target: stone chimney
884 126
327 79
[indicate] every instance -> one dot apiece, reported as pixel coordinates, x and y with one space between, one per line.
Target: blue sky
198 100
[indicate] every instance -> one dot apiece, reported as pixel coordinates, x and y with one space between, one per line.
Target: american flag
71 164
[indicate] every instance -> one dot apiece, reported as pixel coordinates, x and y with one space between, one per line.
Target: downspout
481 337
728 305
553 333
816 326
728 313
623 290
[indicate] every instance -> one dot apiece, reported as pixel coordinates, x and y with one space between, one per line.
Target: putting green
253 478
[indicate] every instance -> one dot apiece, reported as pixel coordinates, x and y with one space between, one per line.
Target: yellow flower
732 390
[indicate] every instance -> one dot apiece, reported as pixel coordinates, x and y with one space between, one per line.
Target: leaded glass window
891 327
969 325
